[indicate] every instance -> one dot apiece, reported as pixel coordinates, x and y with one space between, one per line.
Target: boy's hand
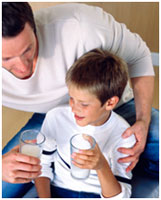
89 159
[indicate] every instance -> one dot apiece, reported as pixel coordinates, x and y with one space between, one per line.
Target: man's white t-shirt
65 32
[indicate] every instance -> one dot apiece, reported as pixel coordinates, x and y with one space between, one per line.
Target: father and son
78 54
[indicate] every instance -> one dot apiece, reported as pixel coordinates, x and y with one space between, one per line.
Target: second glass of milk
31 142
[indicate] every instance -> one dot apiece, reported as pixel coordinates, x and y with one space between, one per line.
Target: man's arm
143 88
143 92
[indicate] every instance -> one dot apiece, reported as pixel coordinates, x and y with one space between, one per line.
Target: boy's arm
43 187
109 184
94 159
42 183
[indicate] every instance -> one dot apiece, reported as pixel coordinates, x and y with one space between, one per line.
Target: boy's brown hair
101 73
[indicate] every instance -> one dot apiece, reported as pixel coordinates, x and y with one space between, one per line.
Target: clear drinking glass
31 142
79 142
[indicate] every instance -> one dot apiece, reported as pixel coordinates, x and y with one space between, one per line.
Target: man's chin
26 77
22 76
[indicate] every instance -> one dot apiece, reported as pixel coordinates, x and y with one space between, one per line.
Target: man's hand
140 129
19 168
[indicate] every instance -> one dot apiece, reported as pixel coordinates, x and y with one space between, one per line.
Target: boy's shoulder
120 125
121 122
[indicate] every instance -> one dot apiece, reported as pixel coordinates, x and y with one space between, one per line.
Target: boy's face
87 108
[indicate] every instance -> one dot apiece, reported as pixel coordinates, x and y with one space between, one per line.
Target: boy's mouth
78 118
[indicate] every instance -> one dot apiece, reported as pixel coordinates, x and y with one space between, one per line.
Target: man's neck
36 56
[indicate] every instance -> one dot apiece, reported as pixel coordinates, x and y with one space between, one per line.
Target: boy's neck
106 118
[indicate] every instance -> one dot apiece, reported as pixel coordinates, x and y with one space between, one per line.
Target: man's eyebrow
8 58
27 49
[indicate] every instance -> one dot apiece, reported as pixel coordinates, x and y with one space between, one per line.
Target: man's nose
22 63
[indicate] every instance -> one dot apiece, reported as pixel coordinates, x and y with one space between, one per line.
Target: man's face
86 107
19 53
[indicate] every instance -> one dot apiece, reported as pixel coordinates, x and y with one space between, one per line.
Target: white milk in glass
31 150
78 143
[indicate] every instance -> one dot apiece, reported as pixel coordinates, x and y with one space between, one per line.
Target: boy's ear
112 102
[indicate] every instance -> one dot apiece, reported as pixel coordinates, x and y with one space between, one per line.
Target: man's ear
112 102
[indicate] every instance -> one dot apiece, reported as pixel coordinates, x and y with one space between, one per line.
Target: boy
95 83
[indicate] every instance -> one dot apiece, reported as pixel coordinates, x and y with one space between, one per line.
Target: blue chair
144 186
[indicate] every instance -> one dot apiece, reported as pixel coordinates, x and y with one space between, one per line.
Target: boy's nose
75 108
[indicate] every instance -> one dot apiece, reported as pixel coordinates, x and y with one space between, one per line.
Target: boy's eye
84 105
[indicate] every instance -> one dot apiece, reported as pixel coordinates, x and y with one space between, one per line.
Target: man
35 58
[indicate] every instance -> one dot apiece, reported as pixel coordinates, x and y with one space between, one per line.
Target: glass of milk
79 142
31 142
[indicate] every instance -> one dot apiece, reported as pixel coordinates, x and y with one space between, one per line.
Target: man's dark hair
14 17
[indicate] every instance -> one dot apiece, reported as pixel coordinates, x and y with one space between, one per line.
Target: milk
78 173
31 150
79 143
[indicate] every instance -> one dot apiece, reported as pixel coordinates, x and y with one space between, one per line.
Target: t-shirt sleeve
49 150
119 169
